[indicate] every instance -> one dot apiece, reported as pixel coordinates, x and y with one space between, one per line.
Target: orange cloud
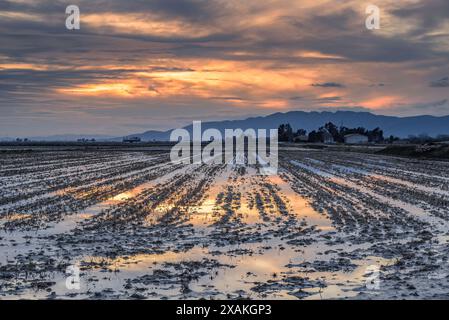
122 89
382 102
208 79
144 24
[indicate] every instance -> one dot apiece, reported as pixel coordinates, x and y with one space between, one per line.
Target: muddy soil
328 225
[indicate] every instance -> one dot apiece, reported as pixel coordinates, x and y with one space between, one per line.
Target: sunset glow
216 59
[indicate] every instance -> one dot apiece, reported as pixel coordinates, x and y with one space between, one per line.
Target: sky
159 64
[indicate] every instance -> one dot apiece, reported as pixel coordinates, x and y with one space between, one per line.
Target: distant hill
6 139
397 126
151 135
70 137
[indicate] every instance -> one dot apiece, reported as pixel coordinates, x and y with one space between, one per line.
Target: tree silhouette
285 133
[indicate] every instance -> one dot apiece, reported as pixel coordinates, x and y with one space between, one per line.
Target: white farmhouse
356 138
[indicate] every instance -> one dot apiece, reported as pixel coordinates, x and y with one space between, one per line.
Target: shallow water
248 235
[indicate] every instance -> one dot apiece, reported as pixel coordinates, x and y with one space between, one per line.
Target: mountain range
391 125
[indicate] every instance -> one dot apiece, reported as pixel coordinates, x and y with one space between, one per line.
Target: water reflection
300 206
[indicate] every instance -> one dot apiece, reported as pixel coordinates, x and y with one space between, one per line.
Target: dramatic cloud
442 83
328 85
161 63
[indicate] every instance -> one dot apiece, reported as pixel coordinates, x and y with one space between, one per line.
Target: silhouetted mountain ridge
397 126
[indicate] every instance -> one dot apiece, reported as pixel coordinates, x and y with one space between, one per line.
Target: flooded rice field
329 225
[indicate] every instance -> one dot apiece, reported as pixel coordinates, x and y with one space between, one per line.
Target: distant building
356 138
131 139
327 137
301 138
86 140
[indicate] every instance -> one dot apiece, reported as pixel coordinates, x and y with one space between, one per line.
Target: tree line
286 134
